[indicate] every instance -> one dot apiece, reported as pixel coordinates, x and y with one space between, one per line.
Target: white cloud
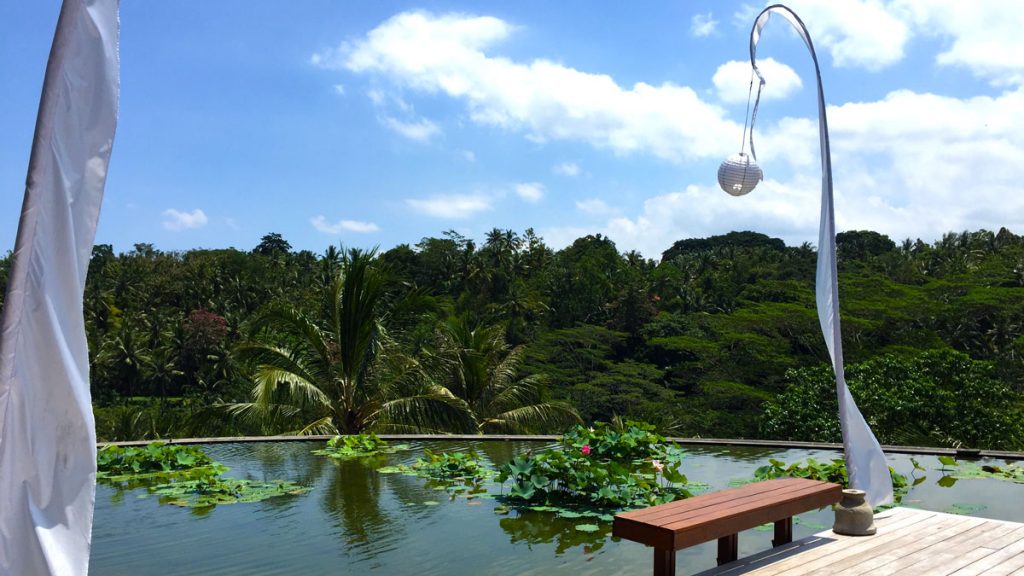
339 89
377 97
702 25
469 155
594 206
897 170
867 34
177 221
732 80
986 37
322 225
566 169
531 192
699 211
421 130
456 206
547 101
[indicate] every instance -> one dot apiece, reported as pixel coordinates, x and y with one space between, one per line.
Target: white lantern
739 174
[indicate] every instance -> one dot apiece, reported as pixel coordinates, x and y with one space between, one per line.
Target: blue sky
379 123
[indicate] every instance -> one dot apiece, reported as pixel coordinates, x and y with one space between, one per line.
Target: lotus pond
355 519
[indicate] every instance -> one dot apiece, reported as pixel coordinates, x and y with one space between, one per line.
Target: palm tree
341 373
479 367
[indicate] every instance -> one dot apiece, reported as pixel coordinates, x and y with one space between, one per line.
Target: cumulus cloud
702 25
910 164
594 206
449 55
985 35
322 225
867 34
732 80
176 221
421 130
456 206
703 210
897 171
566 169
531 192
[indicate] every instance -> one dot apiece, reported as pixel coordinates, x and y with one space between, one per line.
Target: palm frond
295 324
432 412
537 418
324 425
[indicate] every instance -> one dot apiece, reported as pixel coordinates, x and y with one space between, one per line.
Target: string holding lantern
739 173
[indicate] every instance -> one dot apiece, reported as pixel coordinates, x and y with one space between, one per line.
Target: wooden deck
908 542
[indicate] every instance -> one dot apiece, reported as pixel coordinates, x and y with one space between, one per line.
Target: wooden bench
722 515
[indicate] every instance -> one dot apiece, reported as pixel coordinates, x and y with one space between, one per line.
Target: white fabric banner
47 432
865 461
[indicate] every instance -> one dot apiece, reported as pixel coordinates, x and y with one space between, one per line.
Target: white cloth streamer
865 461
47 432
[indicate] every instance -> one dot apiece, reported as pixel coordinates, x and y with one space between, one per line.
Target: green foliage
697 343
937 397
452 466
955 470
834 471
209 492
155 460
455 472
475 364
358 446
604 466
183 476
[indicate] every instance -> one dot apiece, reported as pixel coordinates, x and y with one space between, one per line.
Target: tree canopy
718 338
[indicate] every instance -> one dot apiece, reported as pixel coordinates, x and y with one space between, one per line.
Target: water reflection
357 520
531 527
351 496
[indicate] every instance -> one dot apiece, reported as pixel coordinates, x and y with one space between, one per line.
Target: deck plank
911 542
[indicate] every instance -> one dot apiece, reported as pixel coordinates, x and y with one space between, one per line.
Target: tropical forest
718 338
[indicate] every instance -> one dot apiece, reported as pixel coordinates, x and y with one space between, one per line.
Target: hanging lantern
739 174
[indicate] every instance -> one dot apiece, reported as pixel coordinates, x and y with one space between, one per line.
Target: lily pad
211 492
964 508
587 527
391 470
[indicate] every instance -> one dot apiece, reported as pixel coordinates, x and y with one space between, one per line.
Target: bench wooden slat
721 515
774 498
704 500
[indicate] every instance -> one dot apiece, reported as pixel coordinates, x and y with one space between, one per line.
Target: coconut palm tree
340 372
479 367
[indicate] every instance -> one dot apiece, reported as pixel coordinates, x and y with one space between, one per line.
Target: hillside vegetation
717 339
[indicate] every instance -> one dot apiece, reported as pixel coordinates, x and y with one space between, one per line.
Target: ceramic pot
854 516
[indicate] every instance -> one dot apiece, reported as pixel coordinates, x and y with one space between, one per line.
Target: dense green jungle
718 338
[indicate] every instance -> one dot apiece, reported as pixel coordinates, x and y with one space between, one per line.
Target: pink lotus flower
658 466
585 449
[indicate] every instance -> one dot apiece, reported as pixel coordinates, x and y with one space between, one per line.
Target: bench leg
728 548
664 562
783 532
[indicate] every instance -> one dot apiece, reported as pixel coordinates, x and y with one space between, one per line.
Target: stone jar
854 516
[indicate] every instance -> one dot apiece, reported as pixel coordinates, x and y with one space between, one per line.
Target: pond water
358 521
